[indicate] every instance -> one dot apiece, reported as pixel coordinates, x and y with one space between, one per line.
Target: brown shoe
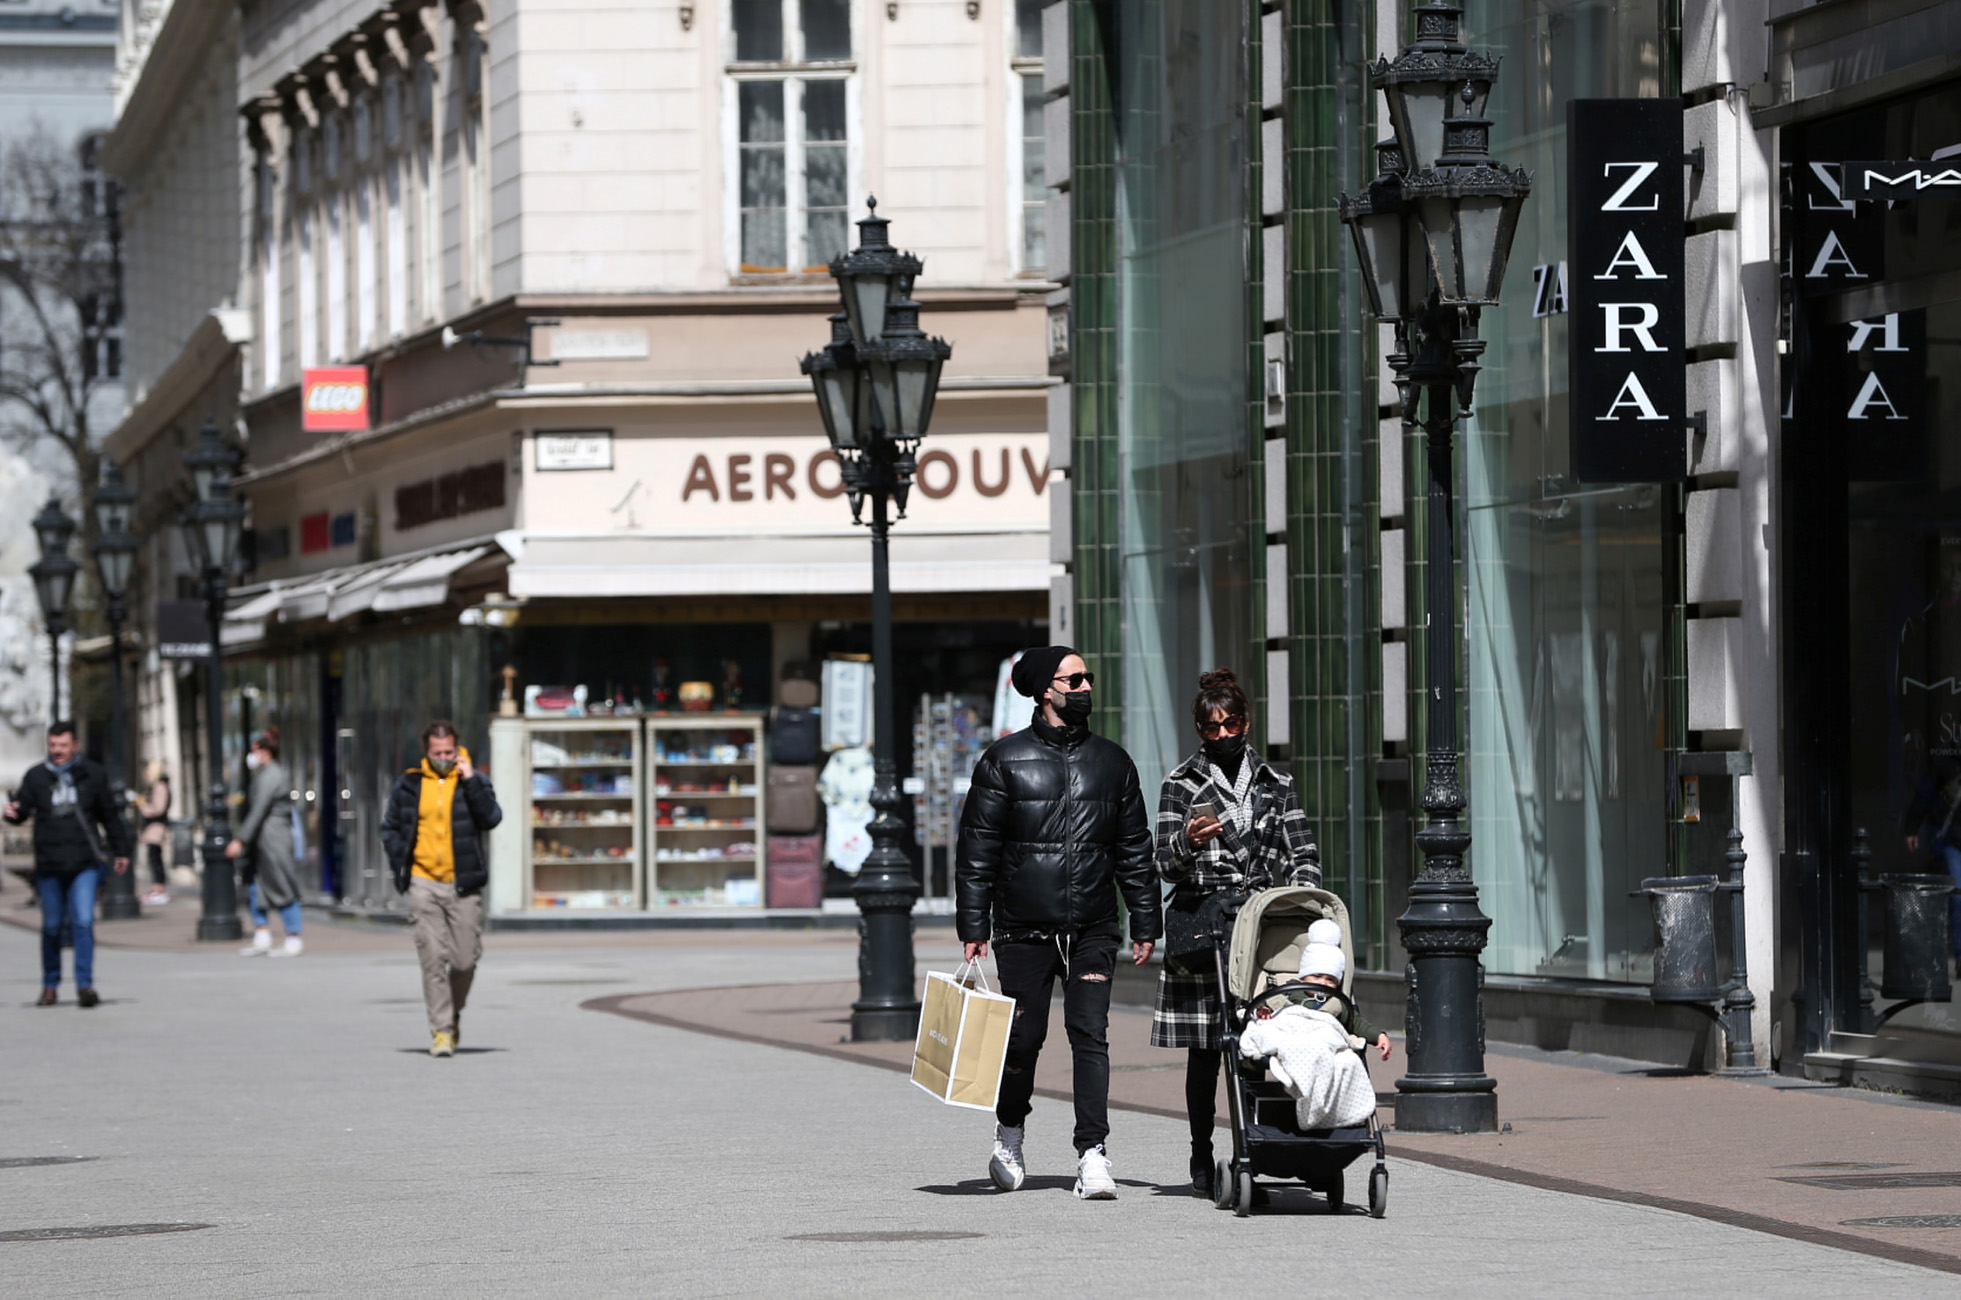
48 998
86 997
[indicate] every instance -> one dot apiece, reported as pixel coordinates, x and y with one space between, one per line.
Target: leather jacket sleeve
1136 872
977 860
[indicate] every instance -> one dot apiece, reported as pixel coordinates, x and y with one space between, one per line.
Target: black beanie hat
1036 669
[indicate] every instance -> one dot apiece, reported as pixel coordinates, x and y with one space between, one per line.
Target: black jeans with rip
1086 962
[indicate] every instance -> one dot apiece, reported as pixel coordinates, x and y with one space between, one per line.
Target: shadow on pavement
1036 1183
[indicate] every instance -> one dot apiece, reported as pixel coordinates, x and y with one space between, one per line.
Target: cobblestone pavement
291 1106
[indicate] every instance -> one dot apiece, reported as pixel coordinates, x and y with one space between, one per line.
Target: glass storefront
1874 297
1183 500
1567 617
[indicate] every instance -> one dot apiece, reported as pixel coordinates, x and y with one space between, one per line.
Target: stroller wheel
1378 1192
1222 1185
1242 1204
1333 1187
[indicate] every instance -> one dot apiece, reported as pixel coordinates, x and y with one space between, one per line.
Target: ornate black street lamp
211 525
875 384
54 583
1433 232
115 558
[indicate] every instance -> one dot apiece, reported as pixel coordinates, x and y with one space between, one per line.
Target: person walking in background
267 835
154 807
1053 831
77 826
1228 822
438 814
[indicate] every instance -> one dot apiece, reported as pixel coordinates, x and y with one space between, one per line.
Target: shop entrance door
1870 474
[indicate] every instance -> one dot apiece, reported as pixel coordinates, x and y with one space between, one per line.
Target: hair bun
271 732
1218 679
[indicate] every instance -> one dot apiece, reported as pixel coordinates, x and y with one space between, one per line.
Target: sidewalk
1803 1161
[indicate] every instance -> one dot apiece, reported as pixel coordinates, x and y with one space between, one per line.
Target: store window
1182 412
1874 301
1566 620
790 93
1031 208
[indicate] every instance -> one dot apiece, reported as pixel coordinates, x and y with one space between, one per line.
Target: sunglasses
1230 727
1077 681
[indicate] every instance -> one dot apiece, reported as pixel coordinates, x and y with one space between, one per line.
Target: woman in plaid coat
1260 839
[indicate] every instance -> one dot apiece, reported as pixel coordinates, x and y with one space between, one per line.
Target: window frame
795 73
1020 66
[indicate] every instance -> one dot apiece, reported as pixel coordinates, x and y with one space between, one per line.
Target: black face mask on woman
1225 750
1074 709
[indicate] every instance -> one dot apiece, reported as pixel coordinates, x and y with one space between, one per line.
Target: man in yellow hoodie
438 815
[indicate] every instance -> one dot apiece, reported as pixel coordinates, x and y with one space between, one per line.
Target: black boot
1202 1169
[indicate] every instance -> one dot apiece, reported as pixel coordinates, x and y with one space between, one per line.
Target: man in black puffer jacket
1053 829
438 815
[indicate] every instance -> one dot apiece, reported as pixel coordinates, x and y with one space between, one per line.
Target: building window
791 97
1031 204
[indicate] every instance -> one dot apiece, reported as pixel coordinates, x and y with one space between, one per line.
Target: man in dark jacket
75 817
1053 830
438 814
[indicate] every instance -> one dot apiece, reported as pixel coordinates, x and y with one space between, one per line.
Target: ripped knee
1094 977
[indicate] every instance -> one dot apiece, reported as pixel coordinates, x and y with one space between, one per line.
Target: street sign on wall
1627 361
334 399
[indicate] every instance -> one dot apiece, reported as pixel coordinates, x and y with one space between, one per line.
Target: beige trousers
449 940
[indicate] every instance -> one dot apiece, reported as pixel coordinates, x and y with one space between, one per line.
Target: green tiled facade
1330 529
1093 356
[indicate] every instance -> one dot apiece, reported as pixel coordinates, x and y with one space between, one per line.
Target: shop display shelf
580 794
585 765
624 860
748 824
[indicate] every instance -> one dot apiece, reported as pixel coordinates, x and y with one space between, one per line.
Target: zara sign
1627 365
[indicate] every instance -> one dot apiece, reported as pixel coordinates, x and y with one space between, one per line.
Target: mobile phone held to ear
1205 810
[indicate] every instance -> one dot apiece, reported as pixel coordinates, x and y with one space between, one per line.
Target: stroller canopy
1271 930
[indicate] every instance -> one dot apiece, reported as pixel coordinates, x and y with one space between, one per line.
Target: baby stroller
1267 934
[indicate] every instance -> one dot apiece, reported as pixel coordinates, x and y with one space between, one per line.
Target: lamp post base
219 923
219 929
121 905
1445 1112
885 1024
1446 1089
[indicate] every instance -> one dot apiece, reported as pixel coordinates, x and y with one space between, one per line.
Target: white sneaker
1005 1166
261 944
156 898
292 948
1093 1180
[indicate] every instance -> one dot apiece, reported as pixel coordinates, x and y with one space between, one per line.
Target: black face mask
1225 750
1074 709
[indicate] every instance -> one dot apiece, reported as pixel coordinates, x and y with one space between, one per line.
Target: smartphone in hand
1205 810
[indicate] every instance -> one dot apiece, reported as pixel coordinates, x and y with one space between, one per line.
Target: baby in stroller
1322 964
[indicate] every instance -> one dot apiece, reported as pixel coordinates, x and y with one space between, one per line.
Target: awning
405 582
775 566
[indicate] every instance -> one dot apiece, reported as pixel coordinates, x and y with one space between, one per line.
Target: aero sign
334 399
1624 291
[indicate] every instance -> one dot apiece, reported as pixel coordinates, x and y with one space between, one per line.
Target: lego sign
334 399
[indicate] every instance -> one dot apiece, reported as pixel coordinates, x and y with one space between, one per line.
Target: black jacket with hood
472 814
1053 830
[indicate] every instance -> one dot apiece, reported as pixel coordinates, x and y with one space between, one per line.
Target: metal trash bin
1685 938
1916 944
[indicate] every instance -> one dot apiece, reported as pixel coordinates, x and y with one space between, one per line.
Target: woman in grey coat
267 832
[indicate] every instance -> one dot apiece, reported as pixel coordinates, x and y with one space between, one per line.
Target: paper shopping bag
963 1040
